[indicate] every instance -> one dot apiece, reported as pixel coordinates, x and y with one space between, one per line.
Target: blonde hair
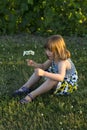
57 45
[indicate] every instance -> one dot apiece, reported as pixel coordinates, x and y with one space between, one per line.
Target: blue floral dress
70 80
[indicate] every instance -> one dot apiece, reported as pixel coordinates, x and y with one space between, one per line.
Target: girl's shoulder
65 63
62 63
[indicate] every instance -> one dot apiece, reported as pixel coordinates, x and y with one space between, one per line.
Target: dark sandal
24 91
25 101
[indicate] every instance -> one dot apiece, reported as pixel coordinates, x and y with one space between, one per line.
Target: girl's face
49 54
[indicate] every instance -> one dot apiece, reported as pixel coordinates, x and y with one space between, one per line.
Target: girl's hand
39 72
31 63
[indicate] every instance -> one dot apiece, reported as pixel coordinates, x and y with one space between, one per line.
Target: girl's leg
32 80
46 86
25 88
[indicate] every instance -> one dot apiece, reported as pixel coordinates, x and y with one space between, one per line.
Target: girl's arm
58 77
43 66
46 64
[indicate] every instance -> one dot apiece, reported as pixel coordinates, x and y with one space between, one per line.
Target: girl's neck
57 60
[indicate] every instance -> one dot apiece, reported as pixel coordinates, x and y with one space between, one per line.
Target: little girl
61 73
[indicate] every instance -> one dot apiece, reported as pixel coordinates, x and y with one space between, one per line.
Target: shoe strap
24 88
30 97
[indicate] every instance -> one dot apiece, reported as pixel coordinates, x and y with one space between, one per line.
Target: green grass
47 112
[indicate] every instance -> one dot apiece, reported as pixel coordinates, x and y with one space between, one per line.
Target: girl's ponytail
68 55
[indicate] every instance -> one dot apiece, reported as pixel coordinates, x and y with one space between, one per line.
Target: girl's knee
52 81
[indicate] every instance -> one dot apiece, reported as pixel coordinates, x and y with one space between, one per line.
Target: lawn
47 112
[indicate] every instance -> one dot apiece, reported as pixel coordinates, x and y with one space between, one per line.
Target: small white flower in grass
61 123
80 112
30 52
42 114
72 106
3 49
